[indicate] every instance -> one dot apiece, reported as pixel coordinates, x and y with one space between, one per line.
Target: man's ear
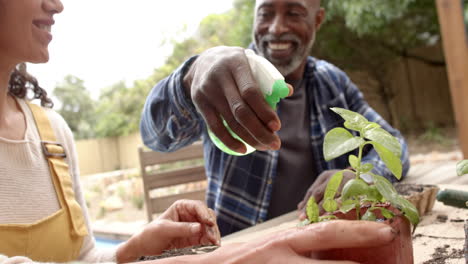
319 18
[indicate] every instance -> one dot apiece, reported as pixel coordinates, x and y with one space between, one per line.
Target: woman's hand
297 245
186 223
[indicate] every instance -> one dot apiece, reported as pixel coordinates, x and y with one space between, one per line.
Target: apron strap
55 155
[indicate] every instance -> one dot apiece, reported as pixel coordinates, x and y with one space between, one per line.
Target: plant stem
358 211
361 147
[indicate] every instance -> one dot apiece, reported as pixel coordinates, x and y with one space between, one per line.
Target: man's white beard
296 61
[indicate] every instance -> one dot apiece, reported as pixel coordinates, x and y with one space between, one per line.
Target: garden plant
368 196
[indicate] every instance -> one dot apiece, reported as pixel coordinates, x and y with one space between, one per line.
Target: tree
358 34
76 106
369 35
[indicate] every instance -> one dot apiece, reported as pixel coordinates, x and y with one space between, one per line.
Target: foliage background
358 35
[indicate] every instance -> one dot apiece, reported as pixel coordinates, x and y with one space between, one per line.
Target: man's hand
186 223
317 189
221 85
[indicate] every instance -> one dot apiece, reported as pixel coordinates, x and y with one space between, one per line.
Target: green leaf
353 120
348 205
339 141
354 188
386 213
333 185
390 194
462 167
381 136
353 161
391 161
384 187
410 211
369 216
374 194
371 125
366 167
330 205
312 210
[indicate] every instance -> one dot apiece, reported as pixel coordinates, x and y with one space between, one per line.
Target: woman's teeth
45 27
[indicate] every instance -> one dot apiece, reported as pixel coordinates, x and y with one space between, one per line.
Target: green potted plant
368 196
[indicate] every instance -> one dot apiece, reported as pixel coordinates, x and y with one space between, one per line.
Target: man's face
284 31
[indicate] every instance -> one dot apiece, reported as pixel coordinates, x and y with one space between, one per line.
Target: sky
105 41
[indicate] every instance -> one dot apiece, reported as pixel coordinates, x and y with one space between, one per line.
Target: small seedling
462 167
358 191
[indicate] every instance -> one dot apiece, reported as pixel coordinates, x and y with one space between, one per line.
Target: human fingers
339 234
171 230
207 78
245 122
263 250
215 229
190 211
197 211
291 89
265 116
215 123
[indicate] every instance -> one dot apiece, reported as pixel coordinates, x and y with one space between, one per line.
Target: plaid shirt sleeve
169 119
358 104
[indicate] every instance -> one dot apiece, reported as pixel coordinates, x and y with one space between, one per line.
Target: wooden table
430 234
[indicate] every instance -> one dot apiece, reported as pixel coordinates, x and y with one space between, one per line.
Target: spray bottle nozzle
279 91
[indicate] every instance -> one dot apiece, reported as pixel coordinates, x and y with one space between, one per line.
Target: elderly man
289 165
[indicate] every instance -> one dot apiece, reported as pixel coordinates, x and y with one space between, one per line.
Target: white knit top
27 193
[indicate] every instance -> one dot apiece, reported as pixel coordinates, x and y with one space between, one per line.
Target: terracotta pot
423 196
399 251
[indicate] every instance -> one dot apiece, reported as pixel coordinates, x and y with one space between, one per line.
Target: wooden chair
163 170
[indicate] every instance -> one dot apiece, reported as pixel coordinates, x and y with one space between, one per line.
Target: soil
442 218
444 253
408 189
181 252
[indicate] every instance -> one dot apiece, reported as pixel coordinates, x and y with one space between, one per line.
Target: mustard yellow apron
58 237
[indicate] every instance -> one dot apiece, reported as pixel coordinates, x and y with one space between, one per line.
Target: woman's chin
39 60
41 56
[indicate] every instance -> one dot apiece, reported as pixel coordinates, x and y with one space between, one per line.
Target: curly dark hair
21 81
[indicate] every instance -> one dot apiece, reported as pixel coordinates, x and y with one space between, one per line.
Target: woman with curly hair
43 215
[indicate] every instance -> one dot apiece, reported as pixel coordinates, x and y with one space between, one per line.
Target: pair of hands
186 223
297 245
220 83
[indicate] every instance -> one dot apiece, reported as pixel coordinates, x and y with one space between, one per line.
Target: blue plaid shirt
239 188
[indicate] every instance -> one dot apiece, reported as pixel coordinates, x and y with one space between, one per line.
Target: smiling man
288 166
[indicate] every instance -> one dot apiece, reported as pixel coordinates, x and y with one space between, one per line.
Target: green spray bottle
273 87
